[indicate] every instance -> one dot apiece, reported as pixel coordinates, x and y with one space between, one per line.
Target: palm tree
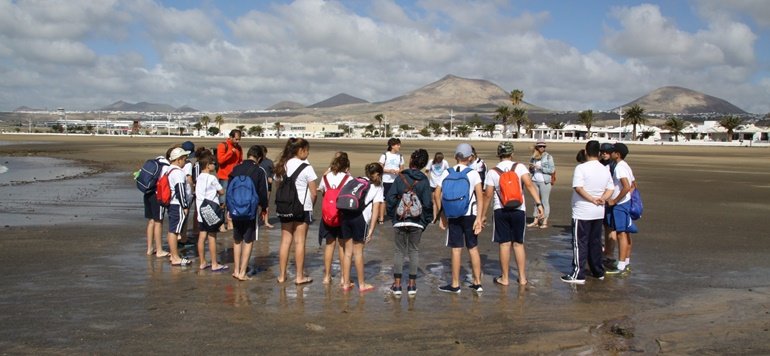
730 122
463 130
490 127
380 118
516 96
519 116
529 127
634 116
586 117
425 131
219 120
475 121
675 125
205 121
556 125
257 130
278 127
197 126
436 127
503 114
448 127
369 128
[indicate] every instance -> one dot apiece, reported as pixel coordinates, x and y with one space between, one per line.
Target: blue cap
189 146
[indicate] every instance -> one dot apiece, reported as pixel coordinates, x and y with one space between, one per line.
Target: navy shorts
509 225
460 232
152 209
354 226
244 230
307 217
176 219
203 227
326 232
621 220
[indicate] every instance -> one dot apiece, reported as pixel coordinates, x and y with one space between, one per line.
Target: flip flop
205 266
221 268
307 280
182 263
366 289
498 280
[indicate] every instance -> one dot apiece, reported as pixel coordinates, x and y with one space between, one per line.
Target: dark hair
419 159
371 169
235 131
438 158
204 160
292 147
200 151
264 148
392 142
592 148
257 152
581 156
340 162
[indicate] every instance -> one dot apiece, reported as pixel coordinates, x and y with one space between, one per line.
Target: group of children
457 198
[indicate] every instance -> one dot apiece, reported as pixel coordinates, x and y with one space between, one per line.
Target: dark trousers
587 247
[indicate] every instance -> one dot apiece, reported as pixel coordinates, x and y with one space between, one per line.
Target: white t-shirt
622 170
207 187
473 178
334 180
435 170
375 195
595 179
303 180
493 180
391 160
175 178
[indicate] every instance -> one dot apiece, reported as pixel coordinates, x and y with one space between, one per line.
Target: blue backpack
455 197
636 205
241 197
148 175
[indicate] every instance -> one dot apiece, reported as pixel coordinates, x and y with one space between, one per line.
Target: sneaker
396 290
615 271
411 290
610 262
569 279
476 288
449 289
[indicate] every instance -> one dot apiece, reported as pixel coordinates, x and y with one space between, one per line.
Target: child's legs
328 257
345 259
287 232
244 261
610 238
358 251
399 250
505 259
150 235
475 264
157 235
413 244
521 261
456 259
299 236
237 247
202 247
212 238
624 246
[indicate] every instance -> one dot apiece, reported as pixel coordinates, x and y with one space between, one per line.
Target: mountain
338 100
457 93
138 107
286 105
677 100
186 108
27 108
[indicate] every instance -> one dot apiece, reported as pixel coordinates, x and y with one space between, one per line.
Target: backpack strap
296 174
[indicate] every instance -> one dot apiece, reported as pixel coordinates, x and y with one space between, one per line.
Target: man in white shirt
592 186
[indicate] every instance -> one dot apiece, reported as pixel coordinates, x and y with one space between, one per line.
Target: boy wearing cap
605 152
180 202
620 203
463 231
508 225
592 186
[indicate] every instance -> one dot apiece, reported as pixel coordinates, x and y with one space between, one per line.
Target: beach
76 279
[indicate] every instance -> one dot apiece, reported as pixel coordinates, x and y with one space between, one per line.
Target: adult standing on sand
392 163
542 168
229 155
592 186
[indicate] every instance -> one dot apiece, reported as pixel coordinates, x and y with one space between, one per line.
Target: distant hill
138 107
455 92
338 100
286 105
27 108
677 100
186 108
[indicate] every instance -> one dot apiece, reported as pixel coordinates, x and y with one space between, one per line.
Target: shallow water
15 170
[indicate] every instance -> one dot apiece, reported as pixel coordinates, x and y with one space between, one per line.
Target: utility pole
451 122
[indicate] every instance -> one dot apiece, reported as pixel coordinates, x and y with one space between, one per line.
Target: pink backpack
329 212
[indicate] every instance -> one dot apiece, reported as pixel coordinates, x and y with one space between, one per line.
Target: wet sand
75 278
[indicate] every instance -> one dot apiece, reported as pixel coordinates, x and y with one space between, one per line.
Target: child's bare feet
366 287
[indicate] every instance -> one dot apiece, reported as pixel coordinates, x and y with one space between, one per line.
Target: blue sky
235 55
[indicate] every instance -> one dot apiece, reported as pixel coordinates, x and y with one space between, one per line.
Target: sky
248 55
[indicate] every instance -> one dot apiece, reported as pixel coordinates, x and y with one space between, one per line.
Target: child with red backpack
329 229
357 227
504 189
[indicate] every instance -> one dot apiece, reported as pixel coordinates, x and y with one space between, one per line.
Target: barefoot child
358 228
207 187
331 182
294 168
180 201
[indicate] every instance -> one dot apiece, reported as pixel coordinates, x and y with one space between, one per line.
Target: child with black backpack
244 198
457 195
294 201
357 226
410 208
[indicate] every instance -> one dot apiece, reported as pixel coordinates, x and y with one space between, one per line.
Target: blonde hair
536 155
